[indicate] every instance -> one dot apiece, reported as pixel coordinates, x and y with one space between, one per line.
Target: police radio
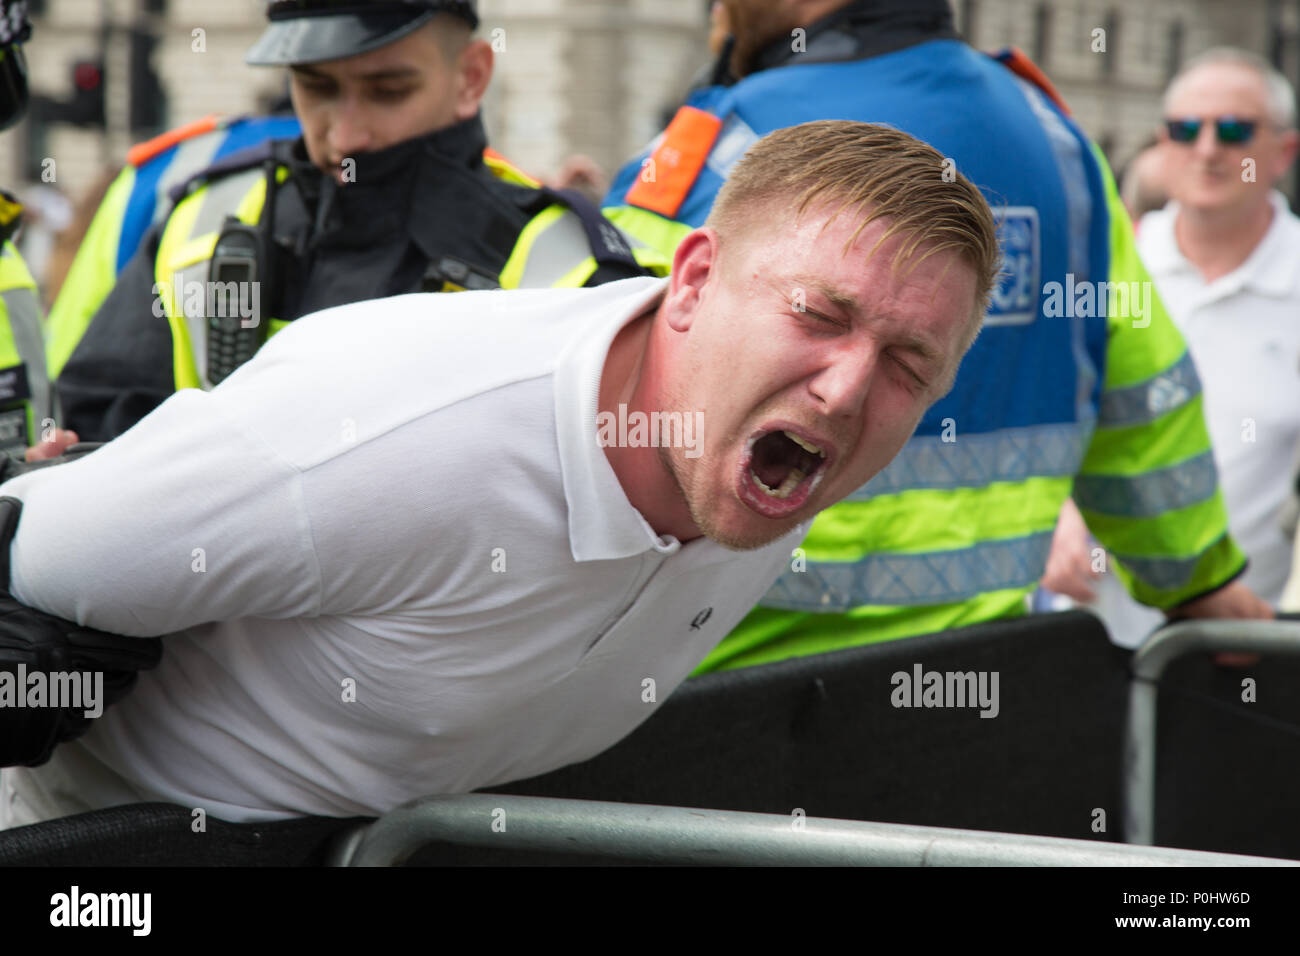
238 265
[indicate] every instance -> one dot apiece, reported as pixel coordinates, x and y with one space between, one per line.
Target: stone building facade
596 76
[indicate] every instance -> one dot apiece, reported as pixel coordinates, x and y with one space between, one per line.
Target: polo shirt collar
1271 269
603 525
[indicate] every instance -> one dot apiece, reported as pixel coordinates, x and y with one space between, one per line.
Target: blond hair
871 172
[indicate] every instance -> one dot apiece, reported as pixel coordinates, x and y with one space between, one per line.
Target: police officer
138 198
24 388
956 529
387 191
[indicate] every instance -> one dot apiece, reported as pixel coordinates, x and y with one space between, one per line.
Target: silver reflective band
976 461
1165 574
1152 493
1147 401
936 577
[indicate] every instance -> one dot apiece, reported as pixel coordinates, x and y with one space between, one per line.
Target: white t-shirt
1243 331
391 559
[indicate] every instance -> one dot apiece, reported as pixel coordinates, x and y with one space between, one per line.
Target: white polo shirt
1243 331
390 558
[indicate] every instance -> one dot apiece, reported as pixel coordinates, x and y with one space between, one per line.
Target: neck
629 379
1218 241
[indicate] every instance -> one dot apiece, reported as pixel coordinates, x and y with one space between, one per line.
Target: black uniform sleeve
121 370
613 271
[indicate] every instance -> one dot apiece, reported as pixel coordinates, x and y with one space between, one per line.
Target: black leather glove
33 642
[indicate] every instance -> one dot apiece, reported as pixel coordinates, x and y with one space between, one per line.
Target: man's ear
695 264
473 73
1290 146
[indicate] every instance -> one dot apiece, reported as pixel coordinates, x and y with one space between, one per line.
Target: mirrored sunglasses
1229 129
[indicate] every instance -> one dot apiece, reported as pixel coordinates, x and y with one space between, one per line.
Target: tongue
773 459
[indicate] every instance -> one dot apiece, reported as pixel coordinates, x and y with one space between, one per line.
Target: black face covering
374 200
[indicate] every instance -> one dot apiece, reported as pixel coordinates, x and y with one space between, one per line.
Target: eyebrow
850 305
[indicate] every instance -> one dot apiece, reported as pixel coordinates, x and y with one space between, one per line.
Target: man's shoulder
447 342
370 368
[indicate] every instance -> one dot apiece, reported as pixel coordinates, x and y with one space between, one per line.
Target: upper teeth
805 445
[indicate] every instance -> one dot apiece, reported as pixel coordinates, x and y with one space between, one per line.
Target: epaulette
502 168
141 153
1019 63
669 172
247 158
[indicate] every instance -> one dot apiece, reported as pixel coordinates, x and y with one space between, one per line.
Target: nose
349 131
842 386
1207 140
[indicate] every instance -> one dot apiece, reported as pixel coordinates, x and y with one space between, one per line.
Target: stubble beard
687 487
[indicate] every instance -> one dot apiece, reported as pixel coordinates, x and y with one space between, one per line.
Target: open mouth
780 471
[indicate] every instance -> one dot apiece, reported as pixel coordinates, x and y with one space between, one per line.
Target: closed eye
821 319
910 371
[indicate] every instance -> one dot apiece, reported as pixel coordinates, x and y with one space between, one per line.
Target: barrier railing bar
685 836
1149 662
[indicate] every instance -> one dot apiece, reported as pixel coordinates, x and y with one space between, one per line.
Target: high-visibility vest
138 198
24 386
552 250
1051 399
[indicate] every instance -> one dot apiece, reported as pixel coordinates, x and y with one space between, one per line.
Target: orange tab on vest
141 153
667 176
1018 62
504 169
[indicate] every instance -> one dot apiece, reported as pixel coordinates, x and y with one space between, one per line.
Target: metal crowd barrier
1149 663
634 833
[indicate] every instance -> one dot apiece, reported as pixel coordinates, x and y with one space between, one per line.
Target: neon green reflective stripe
656 232
1138 448
768 634
502 168
275 325
90 278
14 273
180 249
22 341
577 276
652 259
923 520
513 271
1132 357
174 238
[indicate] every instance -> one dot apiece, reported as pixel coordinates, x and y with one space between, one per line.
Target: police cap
312 31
